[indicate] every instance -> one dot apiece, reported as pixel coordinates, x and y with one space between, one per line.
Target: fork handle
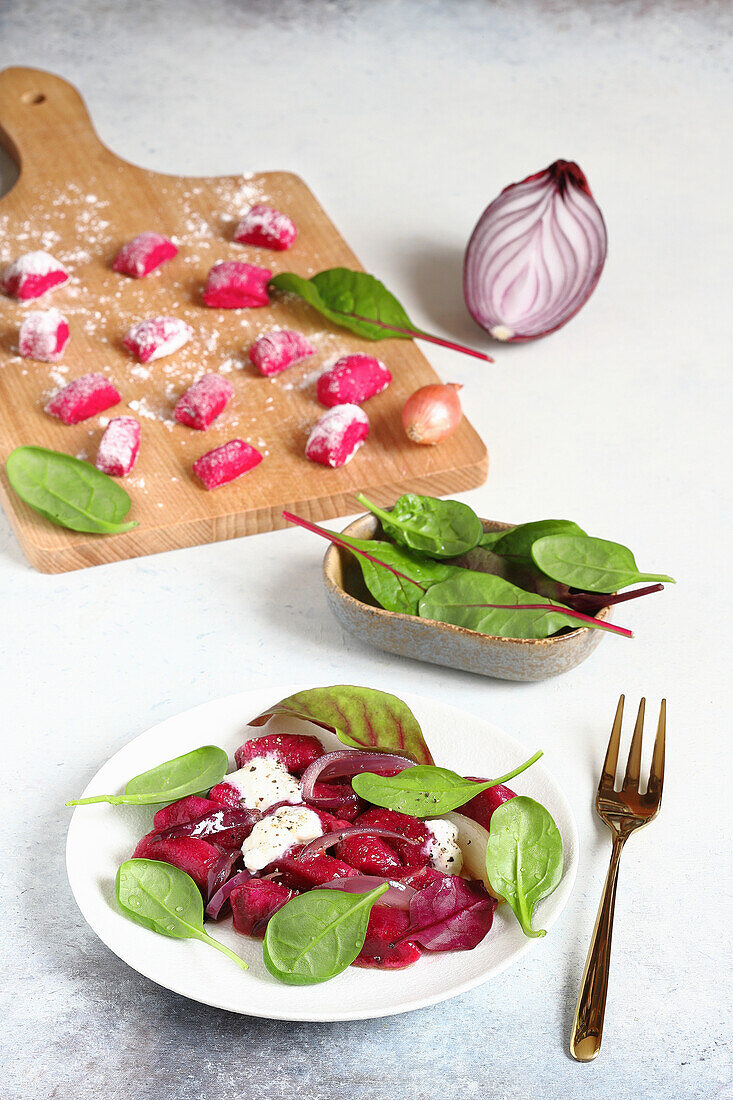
587 1032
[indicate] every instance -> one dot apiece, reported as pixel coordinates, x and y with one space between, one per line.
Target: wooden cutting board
80 202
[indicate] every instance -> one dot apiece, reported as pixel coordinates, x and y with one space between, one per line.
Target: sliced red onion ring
351 762
213 909
329 839
221 871
535 255
398 895
214 823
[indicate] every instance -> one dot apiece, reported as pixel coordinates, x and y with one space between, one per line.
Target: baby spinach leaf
166 900
192 773
361 717
524 857
594 565
491 605
489 539
438 528
315 936
517 543
359 302
396 577
68 492
426 790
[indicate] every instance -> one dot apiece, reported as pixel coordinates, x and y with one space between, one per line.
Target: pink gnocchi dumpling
31 275
84 397
265 227
275 351
157 337
353 379
44 334
234 285
337 436
225 463
119 446
202 402
143 254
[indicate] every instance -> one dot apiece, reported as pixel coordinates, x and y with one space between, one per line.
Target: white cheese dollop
264 781
445 855
277 833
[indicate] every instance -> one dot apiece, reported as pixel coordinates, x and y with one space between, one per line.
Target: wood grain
80 202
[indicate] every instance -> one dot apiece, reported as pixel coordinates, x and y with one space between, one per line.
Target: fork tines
633 764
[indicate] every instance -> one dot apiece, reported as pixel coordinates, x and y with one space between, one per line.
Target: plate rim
561 895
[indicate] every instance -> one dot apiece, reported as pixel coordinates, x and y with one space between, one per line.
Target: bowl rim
460 631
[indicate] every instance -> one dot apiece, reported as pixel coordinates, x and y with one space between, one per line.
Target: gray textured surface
406 118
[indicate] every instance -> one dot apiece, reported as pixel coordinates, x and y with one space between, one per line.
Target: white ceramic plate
103 836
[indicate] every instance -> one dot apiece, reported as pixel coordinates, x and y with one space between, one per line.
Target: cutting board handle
40 114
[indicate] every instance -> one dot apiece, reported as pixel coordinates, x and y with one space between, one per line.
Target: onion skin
432 413
536 255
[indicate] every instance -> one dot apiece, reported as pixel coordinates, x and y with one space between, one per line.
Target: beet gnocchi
44 335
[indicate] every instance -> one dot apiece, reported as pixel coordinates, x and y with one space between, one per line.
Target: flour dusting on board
84 227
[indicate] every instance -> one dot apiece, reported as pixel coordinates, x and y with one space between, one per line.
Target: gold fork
623 811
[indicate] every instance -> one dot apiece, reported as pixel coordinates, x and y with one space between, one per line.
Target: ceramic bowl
442 643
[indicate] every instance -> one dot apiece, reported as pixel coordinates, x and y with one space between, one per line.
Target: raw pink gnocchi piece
44 334
234 285
226 463
265 227
203 401
143 254
353 379
118 446
82 398
31 275
338 435
157 337
276 351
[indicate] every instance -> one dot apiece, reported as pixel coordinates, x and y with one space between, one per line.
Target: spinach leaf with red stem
359 302
396 577
490 605
397 590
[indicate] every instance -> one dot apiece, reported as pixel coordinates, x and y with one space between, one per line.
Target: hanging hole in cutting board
33 98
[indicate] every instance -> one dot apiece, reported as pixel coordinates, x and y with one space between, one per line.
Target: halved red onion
535 255
222 894
327 840
351 762
398 896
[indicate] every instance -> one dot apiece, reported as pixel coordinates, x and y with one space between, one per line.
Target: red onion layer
398 896
220 872
328 840
350 762
535 255
222 894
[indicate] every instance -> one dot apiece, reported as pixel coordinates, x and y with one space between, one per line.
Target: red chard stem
418 334
334 538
